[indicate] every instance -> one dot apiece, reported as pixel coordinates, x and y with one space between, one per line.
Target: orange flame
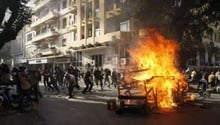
158 55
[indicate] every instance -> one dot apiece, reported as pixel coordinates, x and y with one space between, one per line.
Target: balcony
71 27
40 5
48 51
116 11
73 6
48 35
51 16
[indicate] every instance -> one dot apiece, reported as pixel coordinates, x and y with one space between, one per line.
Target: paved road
56 110
91 110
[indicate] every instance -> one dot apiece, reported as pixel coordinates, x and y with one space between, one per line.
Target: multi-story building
75 31
211 55
18 49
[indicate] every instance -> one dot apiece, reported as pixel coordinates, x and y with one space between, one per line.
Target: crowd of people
58 78
205 78
55 79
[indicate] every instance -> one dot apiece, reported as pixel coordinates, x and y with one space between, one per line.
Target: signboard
40 61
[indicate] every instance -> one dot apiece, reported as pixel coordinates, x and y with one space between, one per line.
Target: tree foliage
19 15
179 19
186 21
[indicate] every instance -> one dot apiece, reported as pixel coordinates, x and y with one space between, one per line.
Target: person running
88 82
46 77
114 78
107 76
70 79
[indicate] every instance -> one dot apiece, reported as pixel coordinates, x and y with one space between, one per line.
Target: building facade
74 32
18 49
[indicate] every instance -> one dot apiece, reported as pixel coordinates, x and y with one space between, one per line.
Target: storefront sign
42 61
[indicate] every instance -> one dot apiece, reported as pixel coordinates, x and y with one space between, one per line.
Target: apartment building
211 56
18 49
76 32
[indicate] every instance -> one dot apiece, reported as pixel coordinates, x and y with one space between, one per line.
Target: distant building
74 32
211 55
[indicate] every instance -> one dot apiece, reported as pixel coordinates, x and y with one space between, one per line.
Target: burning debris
154 80
159 56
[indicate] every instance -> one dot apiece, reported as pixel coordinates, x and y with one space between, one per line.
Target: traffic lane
57 111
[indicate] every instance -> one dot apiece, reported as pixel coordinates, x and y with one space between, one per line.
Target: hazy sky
31 3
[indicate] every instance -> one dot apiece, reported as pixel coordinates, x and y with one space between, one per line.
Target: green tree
178 19
19 15
182 20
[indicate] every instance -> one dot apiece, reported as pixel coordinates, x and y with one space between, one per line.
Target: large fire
158 56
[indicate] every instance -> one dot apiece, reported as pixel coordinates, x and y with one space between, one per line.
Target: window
97 59
125 26
72 19
97 32
29 37
97 12
74 36
77 59
63 42
64 4
64 23
89 32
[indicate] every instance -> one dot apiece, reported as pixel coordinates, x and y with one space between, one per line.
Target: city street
91 110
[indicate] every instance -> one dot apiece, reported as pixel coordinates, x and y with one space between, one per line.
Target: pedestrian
53 81
25 86
71 83
88 81
203 81
76 73
211 79
45 74
107 73
114 78
59 75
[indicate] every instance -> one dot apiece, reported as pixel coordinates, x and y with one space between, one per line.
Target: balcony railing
48 51
46 35
50 16
114 12
41 4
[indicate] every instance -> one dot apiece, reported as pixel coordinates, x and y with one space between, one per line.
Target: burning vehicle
155 81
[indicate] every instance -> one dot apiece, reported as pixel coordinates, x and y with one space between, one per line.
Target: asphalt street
91 109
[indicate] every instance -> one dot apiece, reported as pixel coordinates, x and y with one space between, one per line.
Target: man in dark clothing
107 75
59 75
88 82
114 77
46 77
76 73
98 77
53 81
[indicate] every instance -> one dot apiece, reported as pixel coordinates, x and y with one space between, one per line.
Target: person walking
71 83
211 79
107 76
45 77
114 78
53 81
88 82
